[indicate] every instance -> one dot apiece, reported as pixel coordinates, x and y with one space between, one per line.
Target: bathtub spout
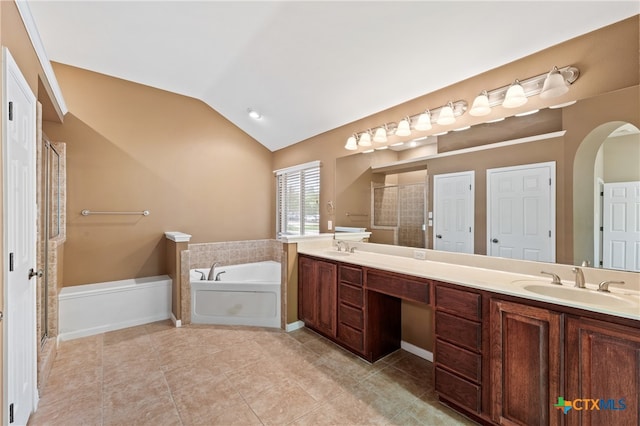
212 271
218 275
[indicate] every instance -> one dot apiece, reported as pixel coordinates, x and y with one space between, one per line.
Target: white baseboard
294 326
176 322
417 351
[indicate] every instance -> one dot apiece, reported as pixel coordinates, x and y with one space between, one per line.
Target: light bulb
351 144
480 105
404 129
554 85
424 121
365 139
380 135
446 115
515 96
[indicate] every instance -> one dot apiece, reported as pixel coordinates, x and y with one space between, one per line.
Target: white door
19 147
453 206
621 226
521 212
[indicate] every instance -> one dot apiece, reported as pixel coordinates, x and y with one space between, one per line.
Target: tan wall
131 148
622 157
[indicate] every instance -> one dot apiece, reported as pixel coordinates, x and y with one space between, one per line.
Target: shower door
401 208
50 220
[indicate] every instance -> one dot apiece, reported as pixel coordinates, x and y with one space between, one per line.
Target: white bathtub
247 294
89 309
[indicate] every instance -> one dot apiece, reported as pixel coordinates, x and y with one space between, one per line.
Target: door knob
438 236
33 273
495 240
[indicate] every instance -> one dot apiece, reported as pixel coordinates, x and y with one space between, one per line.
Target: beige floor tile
226 375
204 400
255 378
282 404
142 401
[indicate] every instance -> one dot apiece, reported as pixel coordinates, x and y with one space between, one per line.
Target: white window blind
298 199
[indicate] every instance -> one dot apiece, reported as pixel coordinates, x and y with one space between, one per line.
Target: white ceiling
307 67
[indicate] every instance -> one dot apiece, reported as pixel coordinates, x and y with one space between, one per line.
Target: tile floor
219 375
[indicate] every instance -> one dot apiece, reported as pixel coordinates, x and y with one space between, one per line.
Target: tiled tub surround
203 255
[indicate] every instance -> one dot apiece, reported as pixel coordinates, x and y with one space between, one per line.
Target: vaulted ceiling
307 66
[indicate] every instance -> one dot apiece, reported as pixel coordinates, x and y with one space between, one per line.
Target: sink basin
579 295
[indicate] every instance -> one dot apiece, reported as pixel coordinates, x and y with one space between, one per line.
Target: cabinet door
603 362
307 294
525 364
327 289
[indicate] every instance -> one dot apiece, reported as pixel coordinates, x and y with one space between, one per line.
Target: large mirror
390 192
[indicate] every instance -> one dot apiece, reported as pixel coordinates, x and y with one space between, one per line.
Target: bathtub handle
218 275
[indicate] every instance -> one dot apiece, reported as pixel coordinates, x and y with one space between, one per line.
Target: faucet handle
604 285
555 279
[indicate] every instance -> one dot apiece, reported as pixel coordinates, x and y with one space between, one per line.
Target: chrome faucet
340 244
579 278
203 276
604 285
554 278
218 275
212 271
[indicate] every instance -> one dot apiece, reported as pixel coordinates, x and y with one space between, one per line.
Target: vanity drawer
465 363
351 337
459 331
458 389
351 295
350 275
463 303
402 286
350 316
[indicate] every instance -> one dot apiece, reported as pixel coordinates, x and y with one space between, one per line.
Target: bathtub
247 294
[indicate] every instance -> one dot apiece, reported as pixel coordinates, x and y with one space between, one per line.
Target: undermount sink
579 295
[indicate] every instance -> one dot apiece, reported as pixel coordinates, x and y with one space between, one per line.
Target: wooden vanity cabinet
603 362
351 308
333 300
526 364
317 290
458 348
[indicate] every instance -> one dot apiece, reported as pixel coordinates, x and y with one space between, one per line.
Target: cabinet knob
438 236
495 241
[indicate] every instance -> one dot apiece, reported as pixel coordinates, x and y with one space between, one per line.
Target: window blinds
298 199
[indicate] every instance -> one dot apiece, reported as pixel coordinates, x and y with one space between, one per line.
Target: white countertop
480 278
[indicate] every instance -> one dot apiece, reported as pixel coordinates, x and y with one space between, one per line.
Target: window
298 199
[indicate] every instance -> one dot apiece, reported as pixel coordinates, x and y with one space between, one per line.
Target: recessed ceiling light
495 121
368 151
397 144
254 114
441 133
462 128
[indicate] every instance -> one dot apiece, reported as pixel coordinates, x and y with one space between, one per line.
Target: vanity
505 352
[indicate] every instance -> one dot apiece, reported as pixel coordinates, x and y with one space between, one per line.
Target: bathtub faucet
212 271
218 275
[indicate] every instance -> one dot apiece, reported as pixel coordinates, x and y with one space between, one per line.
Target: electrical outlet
419 254
329 225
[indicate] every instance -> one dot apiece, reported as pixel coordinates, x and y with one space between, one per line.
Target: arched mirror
606 188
